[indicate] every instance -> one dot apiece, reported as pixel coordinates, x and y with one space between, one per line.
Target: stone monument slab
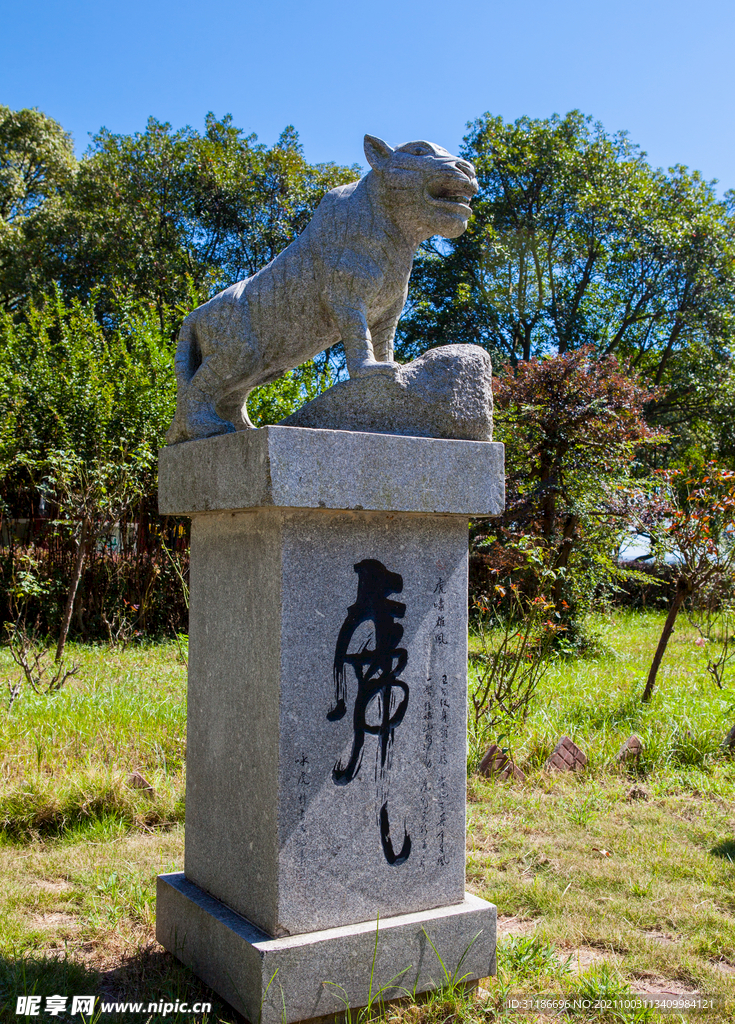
335 790
326 747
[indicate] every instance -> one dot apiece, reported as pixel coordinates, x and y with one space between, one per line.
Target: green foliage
527 956
273 402
85 401
576 240
36 162
171 216
573 427
84 406
37 168
74 395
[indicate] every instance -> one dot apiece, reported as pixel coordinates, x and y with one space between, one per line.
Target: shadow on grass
150 975
725 849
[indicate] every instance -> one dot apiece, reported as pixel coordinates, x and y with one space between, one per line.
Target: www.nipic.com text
30 1006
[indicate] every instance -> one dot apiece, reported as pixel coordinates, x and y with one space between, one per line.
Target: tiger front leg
383 332
358 343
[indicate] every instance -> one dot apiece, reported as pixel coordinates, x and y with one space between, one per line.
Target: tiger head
424 189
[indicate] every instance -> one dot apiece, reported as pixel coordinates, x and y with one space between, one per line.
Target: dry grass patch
635 886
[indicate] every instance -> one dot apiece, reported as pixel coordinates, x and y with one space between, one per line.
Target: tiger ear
378 153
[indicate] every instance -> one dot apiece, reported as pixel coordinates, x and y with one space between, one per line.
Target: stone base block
302 977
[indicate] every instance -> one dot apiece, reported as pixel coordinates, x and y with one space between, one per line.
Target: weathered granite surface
239 961
314 800
446 393
344 278
326 728
294 467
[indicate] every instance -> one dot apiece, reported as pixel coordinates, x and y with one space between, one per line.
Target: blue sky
401 69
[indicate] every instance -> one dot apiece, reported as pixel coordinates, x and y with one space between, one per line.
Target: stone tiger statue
345 278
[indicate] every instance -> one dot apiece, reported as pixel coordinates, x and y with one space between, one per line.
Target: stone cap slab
297 467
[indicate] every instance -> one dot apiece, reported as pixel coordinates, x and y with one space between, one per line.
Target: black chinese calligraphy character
376 669
387 844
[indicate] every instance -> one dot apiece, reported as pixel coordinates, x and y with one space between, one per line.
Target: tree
173 216
68 384
85 402
572 426
575 241
82 416
692 518
37 166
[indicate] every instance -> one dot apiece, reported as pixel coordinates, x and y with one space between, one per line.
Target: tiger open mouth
454 195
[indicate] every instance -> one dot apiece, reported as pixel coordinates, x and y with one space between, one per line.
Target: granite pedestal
326 747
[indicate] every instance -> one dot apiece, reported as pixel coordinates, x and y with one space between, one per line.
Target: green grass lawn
599 890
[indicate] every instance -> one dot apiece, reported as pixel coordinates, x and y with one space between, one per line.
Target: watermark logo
30 1006
629 1003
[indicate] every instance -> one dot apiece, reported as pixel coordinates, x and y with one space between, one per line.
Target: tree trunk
683 589
81 557
673 337
562 559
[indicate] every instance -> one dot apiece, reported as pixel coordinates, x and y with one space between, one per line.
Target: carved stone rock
446 393
631 750
497 764
566 757
345 278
